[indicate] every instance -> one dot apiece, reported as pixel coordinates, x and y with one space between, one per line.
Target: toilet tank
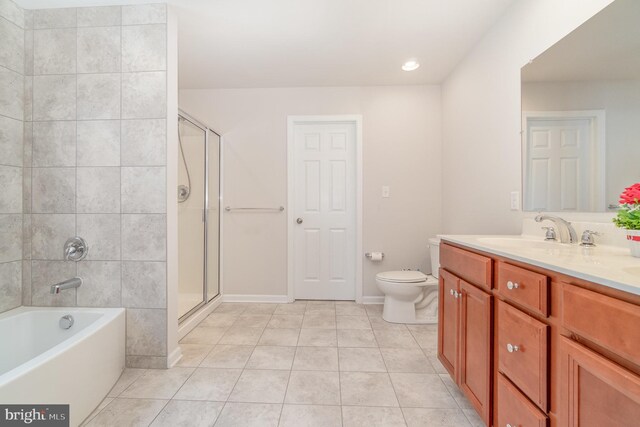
434 251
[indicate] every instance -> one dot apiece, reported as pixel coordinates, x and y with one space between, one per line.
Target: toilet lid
402 276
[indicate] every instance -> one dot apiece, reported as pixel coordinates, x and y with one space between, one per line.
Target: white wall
481 156
620 99
401 148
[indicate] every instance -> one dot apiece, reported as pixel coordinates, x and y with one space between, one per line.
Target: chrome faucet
587 239
67 284
566 230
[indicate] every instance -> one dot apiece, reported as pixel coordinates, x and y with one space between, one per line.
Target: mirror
581 115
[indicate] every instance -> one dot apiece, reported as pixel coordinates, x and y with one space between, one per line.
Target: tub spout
67 284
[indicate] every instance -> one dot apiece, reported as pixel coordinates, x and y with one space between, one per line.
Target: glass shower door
191 225
213 215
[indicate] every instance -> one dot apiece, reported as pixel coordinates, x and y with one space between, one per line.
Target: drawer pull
511 425
512 348
512 285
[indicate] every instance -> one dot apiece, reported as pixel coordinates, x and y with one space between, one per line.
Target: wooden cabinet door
595 392
448 322
475 347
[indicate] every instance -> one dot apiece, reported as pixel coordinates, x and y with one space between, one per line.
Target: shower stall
198 198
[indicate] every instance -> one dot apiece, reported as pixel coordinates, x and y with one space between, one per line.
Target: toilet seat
406 276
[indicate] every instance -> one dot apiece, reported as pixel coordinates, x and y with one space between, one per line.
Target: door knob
299 220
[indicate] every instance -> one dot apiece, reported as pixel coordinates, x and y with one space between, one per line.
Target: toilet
411 296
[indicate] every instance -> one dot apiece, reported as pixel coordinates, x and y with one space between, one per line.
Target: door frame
597 122
292 121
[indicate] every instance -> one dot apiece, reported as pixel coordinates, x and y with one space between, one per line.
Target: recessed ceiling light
411 65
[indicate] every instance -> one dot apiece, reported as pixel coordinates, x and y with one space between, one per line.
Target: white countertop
605 265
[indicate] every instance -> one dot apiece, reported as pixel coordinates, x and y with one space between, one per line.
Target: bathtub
41 363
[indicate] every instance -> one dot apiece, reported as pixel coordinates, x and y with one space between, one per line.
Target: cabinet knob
511 425
511 348
451 292
512 285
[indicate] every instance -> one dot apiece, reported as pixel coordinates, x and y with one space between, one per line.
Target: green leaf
628 219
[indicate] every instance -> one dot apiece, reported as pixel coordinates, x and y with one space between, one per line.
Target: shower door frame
205 216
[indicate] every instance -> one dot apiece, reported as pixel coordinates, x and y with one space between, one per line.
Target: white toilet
411 296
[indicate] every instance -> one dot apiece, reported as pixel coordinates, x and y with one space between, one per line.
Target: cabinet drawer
608 322
471 267
523 287
514 409
522 352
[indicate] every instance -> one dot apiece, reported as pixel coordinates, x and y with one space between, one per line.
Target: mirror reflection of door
563 152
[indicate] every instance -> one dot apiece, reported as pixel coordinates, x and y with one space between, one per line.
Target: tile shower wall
12 36
95 164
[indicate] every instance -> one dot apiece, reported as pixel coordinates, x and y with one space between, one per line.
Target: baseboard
275 299
146 362
283 299
174 357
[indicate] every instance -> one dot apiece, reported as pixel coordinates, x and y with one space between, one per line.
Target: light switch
386 192
515 200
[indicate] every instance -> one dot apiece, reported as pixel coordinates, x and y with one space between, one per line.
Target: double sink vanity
541 333
538 330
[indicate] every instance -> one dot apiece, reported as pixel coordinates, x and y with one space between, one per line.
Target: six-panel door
324 200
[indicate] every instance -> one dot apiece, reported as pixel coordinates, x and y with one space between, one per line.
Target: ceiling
276 43
606 47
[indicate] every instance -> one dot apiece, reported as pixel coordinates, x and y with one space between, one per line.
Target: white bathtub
41 363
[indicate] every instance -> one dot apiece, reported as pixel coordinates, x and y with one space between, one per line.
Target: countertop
609 266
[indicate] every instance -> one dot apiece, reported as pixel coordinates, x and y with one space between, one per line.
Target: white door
559 158
324 210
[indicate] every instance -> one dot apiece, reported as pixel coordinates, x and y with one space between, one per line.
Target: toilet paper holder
368 254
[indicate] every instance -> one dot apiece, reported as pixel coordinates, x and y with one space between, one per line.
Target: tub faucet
67 284
566 230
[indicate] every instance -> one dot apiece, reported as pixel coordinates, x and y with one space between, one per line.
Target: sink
518 243
632 270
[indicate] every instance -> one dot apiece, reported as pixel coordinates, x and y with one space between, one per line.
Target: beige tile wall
95 163
11 156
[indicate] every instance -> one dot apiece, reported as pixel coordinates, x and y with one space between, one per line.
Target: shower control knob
299 220
75 249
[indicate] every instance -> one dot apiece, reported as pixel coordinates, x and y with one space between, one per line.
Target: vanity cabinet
532 347
595 391
449 322
465 328
522 352
475 347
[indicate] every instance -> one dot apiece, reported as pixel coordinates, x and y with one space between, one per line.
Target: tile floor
313 363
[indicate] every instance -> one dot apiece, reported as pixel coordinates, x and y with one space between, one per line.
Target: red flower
631 195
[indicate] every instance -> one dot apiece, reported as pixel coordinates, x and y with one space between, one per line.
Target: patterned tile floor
313 363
